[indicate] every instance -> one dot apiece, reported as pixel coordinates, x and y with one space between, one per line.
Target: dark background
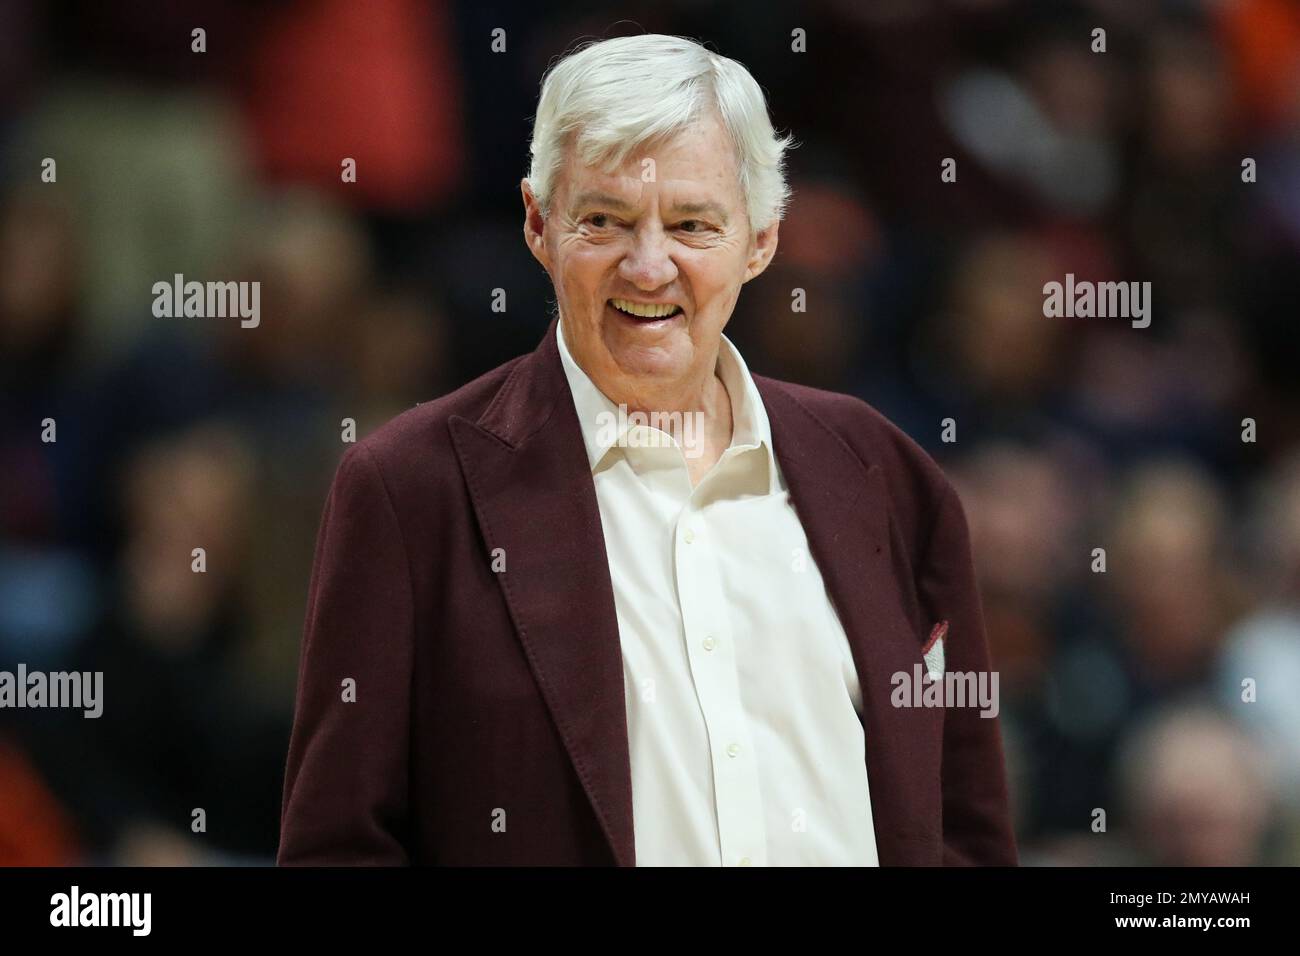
1120 690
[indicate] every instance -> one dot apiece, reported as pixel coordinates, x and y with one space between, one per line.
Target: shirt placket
711 651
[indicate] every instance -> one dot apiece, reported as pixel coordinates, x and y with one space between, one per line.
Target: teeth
644 311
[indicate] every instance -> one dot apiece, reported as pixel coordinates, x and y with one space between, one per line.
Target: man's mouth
646 310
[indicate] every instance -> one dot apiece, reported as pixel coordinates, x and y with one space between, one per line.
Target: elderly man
619 601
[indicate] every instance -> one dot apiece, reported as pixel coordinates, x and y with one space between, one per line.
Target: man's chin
649 364
657 348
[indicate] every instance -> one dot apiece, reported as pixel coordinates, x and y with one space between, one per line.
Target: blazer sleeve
976 813
346 779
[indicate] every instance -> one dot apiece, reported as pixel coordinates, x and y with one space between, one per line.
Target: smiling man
536 639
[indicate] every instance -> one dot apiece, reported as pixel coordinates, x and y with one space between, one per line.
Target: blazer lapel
843 507
528 476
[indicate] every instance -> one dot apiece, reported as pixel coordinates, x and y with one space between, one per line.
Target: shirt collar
749 423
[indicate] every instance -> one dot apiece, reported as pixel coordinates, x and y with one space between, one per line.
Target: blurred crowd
1139 558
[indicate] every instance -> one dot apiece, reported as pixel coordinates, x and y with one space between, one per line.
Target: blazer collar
529 477
843 506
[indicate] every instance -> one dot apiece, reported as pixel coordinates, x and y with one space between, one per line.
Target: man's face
671 232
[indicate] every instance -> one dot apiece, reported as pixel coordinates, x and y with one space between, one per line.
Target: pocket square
933 651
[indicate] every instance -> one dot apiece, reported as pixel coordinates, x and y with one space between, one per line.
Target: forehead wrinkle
707 206
597 197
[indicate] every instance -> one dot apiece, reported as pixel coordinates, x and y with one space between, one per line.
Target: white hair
617 95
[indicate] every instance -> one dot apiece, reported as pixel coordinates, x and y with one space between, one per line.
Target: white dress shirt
743 702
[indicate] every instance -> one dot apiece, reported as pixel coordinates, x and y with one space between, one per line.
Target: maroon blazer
483 695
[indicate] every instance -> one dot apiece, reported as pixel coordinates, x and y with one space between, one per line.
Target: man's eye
691 225
599 220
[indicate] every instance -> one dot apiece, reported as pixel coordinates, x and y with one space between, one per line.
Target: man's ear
762 250
534 223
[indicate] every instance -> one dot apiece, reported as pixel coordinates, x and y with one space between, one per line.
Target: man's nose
649 264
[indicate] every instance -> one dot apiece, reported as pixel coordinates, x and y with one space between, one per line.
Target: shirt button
689 536
745 861
709 643
733 750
